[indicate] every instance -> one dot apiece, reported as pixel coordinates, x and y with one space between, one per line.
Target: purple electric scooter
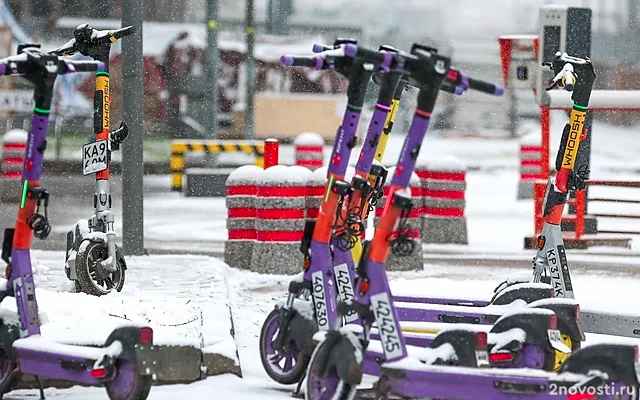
280 348
286 337
336 367
127 361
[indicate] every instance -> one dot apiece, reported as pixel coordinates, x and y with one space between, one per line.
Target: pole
132 162
212 65
250 73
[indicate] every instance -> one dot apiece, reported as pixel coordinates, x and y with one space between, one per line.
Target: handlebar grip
486 87
318 48
315 62
122 32
84 66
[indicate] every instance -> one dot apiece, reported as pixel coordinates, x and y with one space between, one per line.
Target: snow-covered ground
159 287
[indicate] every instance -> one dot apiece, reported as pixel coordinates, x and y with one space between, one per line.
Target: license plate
94 157
556 341
482 358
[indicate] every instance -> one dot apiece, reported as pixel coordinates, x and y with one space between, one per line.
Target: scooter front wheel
283 367
330 387
93 278
128 383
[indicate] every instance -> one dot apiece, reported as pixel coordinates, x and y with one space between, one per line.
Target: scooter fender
300 330
567 311
341 354
143 356
74 237
463 342
535 323
9 333
529 292
120 257
618 361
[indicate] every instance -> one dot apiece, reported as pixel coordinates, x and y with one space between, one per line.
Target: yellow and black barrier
180 147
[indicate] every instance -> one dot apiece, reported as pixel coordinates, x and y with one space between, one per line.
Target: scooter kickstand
296 393
40 387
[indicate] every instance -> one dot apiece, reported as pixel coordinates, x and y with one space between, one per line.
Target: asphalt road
70 199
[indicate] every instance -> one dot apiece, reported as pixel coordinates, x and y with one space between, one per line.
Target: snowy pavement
153 281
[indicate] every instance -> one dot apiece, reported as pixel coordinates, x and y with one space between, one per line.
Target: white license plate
94 157
482 358
556 341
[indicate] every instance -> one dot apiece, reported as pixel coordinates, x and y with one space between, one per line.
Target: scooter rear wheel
128 383
329 388
284 368
92 278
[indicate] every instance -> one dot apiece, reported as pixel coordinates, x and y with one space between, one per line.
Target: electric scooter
336 366
293 319
299 329
551 270
285 340
127 361
93 259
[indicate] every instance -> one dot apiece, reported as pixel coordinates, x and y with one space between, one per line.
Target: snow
501 339
15 136
445 162
318 177
244 173
281 174
530 139
301 171
42 344
308 139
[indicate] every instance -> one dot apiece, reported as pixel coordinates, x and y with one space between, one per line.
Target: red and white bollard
309 150
241 215
443 183
14 144
316 189
280 210
530 164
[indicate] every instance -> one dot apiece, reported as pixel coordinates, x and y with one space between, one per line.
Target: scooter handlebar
17 65
464 81
122 32
315 62
84 66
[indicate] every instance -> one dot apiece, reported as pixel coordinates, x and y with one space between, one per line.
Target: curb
73 167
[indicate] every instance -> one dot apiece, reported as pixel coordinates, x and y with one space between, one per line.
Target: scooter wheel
92 278
284 368
128 383
329 388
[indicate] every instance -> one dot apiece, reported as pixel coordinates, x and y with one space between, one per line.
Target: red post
544 123
539 190
580 210
271 147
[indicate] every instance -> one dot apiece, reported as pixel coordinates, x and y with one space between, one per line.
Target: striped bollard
443 183
241 215
309 150
412 224
280 209
530 164
316 186
14 144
